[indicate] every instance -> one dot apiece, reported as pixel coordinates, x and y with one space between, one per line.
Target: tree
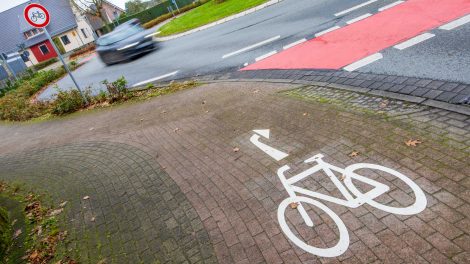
92 7
135 6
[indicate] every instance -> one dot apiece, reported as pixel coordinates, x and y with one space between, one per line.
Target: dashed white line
361 63
355 7
456 23
155 79
414 41
390 5
264 42
294 43
326 31
358 18
262 57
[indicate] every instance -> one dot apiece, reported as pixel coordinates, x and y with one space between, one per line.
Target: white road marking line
262 57
294 43
390 5
359 18
155 79
326 31
361 63
355 7
456 23
251 47
274 153
414 41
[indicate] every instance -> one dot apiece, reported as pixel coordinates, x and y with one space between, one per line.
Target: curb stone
461 109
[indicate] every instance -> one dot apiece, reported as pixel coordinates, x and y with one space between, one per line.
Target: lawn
206 14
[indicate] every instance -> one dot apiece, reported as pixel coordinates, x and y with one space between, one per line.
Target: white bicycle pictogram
351 201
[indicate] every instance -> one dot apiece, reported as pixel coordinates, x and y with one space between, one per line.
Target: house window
84 33
33 32
65 39
44 49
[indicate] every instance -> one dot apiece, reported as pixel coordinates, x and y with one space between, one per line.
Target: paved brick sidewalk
177 180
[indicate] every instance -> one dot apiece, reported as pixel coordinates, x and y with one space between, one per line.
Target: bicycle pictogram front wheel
420 199
334 251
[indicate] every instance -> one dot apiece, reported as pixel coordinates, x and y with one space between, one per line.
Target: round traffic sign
37 15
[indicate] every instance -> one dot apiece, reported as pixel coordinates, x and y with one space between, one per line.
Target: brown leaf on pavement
305 114
236 149
294 205
17 233
176 130
56 212
342 177
384 104
353 154
413 142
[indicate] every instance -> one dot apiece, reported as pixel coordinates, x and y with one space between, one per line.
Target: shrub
44 64
117 90
68 102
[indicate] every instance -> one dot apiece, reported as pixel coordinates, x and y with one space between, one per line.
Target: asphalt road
443 57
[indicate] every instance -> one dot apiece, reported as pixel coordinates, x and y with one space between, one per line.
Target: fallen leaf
176 130
92 128
413 142
163 112
17 233
203 102
305 114
34 255
63 204
93 219
256 91
142 120
342 177
86 197
294 205
236 149
56 212
384 104
353 154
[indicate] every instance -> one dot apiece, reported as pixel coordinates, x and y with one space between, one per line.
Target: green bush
117 90
44 64
15 105
68 102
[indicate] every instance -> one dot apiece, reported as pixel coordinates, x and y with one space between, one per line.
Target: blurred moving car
125 42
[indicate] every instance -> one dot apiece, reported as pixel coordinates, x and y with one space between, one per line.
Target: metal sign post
37 16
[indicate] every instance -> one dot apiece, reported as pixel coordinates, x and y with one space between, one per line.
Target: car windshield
119 34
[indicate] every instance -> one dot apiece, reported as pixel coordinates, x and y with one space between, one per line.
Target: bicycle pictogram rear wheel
418 206
337 250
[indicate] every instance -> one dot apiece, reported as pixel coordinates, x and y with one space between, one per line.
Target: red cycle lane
349 44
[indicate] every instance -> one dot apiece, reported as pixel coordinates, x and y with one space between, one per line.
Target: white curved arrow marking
274 153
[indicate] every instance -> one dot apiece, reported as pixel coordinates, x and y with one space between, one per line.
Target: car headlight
129 46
